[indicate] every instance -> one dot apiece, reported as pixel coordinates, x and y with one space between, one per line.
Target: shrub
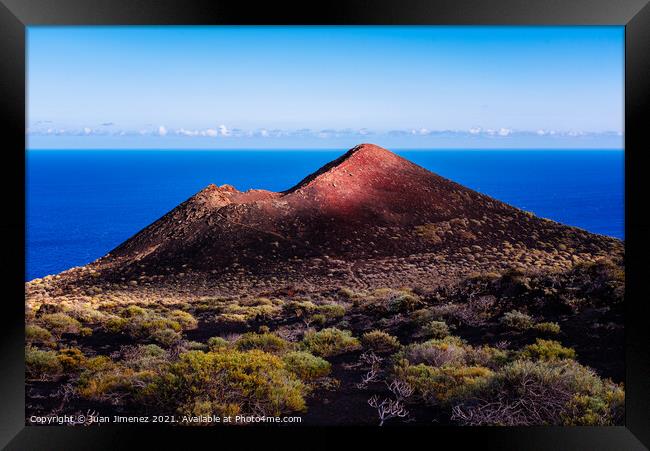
435 329
517 320
103 379
548 328
430 232
421 317
115 325
85 331
251 382
41 364
71 359
550 392
547 350
305 365
60 323
165 337
133 311
37 334
380 342
215 343
603 408
265 342
149 357
300 309
442 385
141 324
488 356
404 301
330 342
446 352
192 345
332 311
186 320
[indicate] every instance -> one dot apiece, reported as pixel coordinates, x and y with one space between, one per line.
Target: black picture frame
16 15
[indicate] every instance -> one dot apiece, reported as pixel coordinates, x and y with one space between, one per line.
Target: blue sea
81 204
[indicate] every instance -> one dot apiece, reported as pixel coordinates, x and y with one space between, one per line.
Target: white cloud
223 130
162 131
475 130
504 132
211 132
87 131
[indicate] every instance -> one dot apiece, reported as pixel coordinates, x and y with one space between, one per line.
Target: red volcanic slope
369 202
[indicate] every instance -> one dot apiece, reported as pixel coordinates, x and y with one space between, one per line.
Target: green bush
149 357
548 328
488 357
133 311
141 324
186 320
115 325
449 351
332 311
251 382
421 317
517 320
41 364
103 379
300 309
544 392
164 336
71 359
330 342
305 365
215 343
404 302
37 334
380 342
547 350
60 323
265 342
442 385
435 329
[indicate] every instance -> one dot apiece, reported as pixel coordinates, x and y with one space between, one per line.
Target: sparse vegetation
227 382
265 342
306 366
517 320
41 364
330 342
380 342
435 329
548 328
281 353
547 350
547 392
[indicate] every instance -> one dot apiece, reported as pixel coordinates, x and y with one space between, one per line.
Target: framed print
404 218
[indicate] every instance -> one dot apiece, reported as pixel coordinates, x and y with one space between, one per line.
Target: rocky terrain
371 285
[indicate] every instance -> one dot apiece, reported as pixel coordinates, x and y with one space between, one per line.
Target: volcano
364 216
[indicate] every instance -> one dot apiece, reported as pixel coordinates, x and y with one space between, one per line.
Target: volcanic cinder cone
369 205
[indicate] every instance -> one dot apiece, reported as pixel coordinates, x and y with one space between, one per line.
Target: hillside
367 216
374 291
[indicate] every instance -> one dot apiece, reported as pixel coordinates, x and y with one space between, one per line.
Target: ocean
81 204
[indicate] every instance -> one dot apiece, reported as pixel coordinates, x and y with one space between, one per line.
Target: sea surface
81 204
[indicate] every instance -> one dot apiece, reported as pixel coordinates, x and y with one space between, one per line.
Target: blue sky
325 87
